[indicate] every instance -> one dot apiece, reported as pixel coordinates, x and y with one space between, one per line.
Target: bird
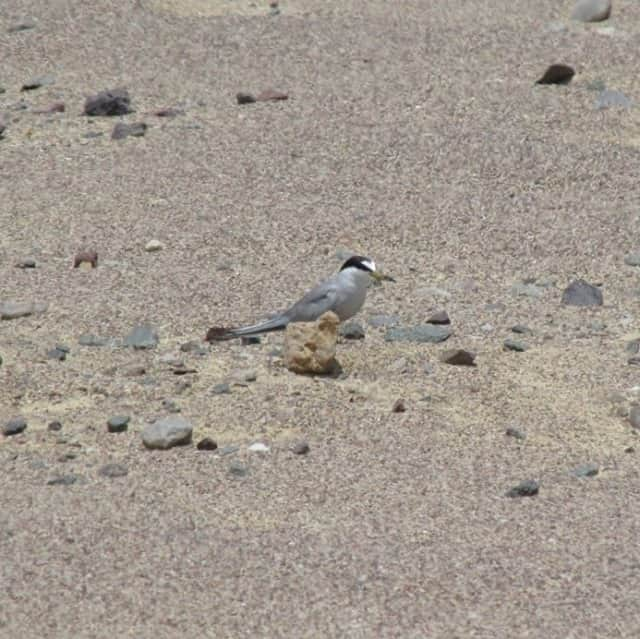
343 293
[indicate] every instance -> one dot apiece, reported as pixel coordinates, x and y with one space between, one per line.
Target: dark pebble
89 256
113 470
557 74
300 448
581 293
123 130
56 353
207 444
515 433
245 98
118 423
520 329
440 317
108 103
63 480
527 488
458 357
54 426
399 406
250 340
221 389
27 263
14 426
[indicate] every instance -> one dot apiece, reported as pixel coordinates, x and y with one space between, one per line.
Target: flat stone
57 354
423 333
351 330
586 470
458 357
581 293
521 329
36 83
207 444
14 426
634 417
168 432
591 10
515 433
54 426
64 480
14 310
527 488
118 423
514 345
238 469
89 339
27 263
520 289
123 130
610 98
113 470
108 103
439 317
221 389
142 337
632 259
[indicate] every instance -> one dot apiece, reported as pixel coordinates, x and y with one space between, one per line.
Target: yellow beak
381 277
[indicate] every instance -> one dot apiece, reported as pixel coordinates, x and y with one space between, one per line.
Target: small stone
15 310
245 98
586 470
270 95
422 333
351 330
89 339
514 345
108 103
610 98
399 406
515 433
634 361
634 417
458 357
207 444
142 336
238 469
167 432
581 293
118 423
521 329
300 448
520 289
557 74
86 257
153 245
63 480
38 82
113 470
193 347
221 389
439 317
14 426
249 340
23 25
57 354
258 447
632 259
527 488
28 262
591 10
54 426
383 321
310 347
629 449
123 130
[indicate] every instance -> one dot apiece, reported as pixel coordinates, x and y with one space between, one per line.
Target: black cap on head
361 262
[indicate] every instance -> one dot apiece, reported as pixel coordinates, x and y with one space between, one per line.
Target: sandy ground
413 133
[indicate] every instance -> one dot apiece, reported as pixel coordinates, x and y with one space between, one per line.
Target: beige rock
310 347
591 10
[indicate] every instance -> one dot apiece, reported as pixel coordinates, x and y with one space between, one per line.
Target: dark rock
238 469
440 317
54 426
634 361
424 333
581 293
399 406
351 330
245 98
458 357
14 426
29 262
591 10
632 259
118 423
167 432
586 470
300 448
14 310
113 470
86 257
521 329
63 480
36 83
123 130
89 339
634 417
381 321
142 336
108 103
527 488
514 345
515 433
249 340
57 354
207 444
611 98
557 74
182 369
221 389
23 25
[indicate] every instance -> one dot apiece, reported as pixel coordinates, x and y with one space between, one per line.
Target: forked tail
278 323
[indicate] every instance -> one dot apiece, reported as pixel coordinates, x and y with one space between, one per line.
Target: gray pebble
14 426
527 488
632 259
221 389
36 83
167 432
439 317
238 469
300 448
28 262
142 336
424 333
591 10
586 470
515 433
63 480
123 130
89 339
634 417
351 330
118 423
521 329
514 345
113 470
581 293
57 354
23 25
612 98
14 310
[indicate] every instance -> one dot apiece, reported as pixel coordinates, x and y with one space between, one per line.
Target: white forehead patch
370 264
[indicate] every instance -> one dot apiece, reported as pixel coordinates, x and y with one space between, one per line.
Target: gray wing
317 301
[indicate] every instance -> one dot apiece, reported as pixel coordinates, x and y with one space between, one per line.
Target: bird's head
368 265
